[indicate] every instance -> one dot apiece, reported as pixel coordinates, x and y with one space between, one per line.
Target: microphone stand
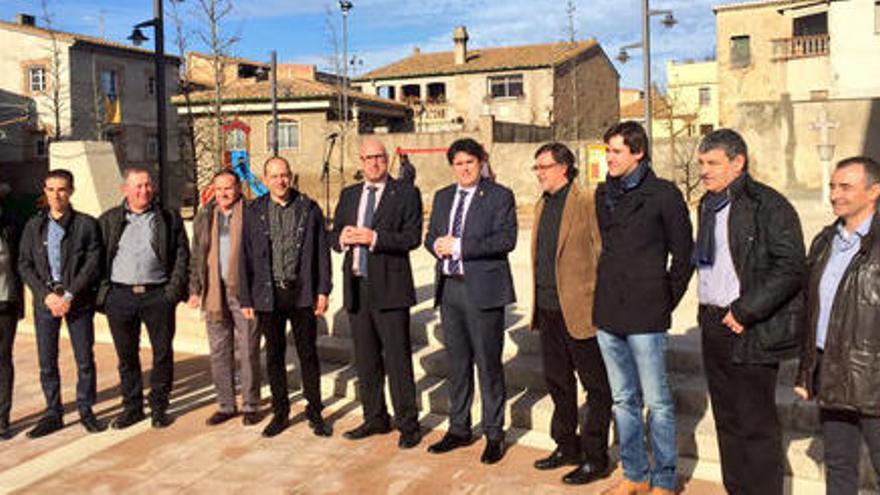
325 176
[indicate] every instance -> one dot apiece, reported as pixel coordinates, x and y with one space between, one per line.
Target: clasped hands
444 246
354 236
58 305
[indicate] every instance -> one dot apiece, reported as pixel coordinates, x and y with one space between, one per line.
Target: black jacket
256 289
489 234
767 247
81 252
398 225
849 376
10 231
169 242
636 286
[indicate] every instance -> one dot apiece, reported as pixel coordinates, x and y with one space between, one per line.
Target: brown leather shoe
627 487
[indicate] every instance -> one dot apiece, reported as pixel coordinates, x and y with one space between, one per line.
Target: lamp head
138 37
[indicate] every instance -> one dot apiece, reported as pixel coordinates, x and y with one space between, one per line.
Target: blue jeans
636 367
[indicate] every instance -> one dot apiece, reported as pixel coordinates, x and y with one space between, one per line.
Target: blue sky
381 31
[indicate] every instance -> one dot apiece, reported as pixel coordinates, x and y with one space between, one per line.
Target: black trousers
842 433
472 335
126 311
304 325
744 405
565 357
8 322
81 330
376 332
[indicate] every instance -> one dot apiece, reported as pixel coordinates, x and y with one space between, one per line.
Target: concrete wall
855 49
762 79
684 82
586 96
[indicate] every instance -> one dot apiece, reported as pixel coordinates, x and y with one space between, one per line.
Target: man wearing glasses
565 252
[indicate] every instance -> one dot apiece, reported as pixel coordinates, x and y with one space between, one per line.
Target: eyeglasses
542 168
380 156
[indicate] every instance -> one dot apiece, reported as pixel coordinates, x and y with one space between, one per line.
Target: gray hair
728 141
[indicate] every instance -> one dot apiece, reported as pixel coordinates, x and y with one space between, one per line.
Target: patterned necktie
455 263
368 223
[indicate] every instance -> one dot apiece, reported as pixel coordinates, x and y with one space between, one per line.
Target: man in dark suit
286 277
472 229
377 223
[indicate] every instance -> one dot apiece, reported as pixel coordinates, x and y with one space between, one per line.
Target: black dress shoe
493 452
409 439
276 426
367 430
91 423
220 417
46 425
449 442
251 418
556 459
320 427
160 419
587 473
127 419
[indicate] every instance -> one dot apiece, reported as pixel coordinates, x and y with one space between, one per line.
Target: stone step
683 349
524 372
530 411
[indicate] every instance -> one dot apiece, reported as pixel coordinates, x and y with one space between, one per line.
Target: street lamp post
825 150
668 21
345 6
138 38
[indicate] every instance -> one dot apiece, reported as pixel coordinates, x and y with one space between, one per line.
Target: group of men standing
608 270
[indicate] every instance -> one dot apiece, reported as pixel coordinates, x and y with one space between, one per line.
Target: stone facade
86 65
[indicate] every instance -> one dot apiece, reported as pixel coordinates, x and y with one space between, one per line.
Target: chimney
460 38
26 20
417 50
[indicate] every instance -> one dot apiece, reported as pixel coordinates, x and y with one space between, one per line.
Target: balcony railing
801 47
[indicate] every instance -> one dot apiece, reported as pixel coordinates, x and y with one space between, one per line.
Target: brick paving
189 457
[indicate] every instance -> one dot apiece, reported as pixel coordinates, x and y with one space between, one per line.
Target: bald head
277 176
374 160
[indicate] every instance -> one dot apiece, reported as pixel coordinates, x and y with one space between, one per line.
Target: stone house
784 66
571 89
105 91
309 126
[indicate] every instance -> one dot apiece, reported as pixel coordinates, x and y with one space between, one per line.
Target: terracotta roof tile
73 38
636 109
288 89
482 60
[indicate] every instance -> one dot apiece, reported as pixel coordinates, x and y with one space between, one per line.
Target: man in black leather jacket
840 355
750 260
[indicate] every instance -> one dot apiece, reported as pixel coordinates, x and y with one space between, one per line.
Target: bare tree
191 153
679 120
214 13
56 101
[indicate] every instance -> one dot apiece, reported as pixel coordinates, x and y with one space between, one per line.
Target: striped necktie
455 263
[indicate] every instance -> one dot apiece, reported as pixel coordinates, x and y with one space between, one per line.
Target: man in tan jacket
565 252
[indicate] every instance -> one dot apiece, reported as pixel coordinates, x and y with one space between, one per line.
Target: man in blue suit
471 231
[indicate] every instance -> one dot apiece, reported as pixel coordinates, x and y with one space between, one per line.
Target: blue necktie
368 223
454 263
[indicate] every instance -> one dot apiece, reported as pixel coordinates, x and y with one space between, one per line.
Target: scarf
619 186
214 295
712 203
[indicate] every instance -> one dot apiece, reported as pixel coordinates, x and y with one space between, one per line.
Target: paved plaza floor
189 457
